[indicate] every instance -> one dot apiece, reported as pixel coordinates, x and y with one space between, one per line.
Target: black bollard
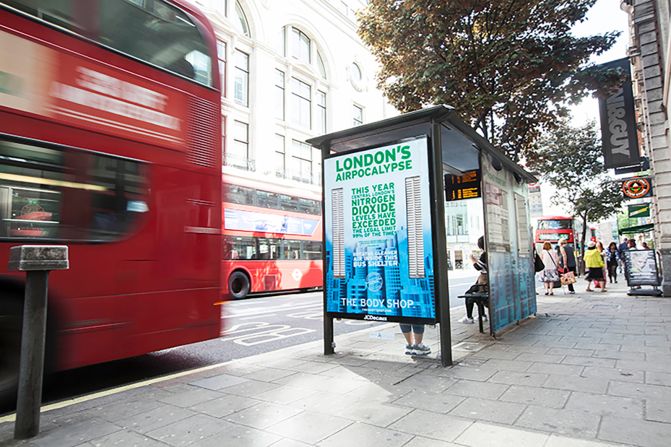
37 261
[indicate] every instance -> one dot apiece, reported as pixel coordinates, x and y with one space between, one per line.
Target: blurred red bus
110 142
272 238
554 228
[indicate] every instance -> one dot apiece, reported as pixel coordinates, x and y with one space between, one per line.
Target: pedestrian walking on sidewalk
550 274
600 249
612 261
414 334
567 260
594 264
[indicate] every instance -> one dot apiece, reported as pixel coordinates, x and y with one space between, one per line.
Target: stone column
645 49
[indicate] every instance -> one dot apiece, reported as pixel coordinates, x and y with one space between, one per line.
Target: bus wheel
11 310
238 285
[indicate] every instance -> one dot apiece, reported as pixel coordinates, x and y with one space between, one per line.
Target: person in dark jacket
480 264
612 261
567 260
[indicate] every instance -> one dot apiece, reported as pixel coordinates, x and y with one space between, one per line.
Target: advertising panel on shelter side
378 239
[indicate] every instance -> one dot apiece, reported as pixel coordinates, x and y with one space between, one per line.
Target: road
251 326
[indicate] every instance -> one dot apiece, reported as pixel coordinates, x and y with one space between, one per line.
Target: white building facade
291 70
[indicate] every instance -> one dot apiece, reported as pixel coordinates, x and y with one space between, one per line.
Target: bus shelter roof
460 141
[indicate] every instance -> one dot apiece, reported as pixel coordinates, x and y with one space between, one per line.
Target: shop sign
637 188
639 210
619 137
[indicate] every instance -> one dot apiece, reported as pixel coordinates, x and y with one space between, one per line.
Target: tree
570 159
509 67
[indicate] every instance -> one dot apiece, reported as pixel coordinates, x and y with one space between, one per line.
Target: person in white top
549 275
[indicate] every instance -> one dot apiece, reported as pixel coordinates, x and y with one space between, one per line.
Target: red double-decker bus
554 228
110 143
272 238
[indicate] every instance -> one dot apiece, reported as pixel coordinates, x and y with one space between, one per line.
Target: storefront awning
636 229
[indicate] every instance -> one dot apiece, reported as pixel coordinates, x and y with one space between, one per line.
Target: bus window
63 194
56 12
158 33
312 250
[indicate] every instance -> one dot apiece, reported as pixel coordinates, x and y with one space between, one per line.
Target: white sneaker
422 349
467 320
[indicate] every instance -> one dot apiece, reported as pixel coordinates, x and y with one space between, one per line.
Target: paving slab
432 425
541 397
484 434
657 410
364 434
489 410
639 433
576 423
125 438
262 415
192 430
309 427
606 405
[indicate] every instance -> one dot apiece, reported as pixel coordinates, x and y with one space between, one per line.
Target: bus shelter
385 185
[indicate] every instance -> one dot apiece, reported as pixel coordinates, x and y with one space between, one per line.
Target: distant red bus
272 238
110 143
554 228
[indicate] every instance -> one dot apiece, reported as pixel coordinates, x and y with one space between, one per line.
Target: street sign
637 188
461 187
639 210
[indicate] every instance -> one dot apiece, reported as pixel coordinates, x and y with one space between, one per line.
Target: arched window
293 42
300 44
356 73
240 21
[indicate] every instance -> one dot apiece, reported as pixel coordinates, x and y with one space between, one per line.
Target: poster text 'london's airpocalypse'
379 255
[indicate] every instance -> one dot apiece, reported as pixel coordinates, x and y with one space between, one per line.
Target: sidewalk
591 370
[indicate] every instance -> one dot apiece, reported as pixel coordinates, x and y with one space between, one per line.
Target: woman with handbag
594 263
550 275
567 264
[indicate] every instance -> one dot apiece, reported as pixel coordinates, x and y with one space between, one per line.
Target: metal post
329 345
37 261
441 275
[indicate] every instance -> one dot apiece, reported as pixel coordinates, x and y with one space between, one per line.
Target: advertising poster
641 268
512 292
378 244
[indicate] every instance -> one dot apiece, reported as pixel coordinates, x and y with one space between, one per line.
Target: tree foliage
570 159
509 67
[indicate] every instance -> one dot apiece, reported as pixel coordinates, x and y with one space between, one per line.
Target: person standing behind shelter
567 260
594 263
550 274
624 246
602 250
612 261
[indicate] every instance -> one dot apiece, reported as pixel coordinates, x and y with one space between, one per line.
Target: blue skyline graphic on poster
381 289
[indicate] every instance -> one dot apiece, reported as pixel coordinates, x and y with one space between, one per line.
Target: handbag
567 278
538 264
